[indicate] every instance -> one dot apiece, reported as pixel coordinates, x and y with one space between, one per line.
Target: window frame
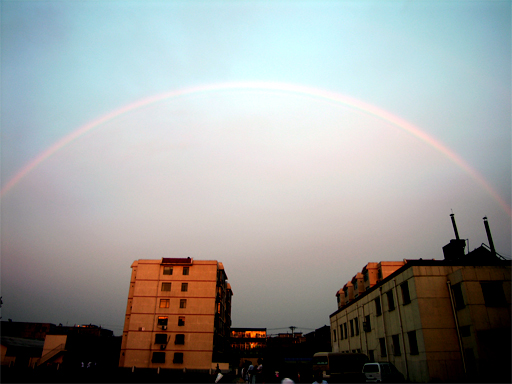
160 337
165 303
167 269
181 321
406 293
413 343
179 339
391 300
378 306
396 345
183 303
158 357
186 271
184 287
178 358
167 285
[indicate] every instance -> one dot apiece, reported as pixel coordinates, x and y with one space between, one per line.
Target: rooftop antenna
454 226
292 328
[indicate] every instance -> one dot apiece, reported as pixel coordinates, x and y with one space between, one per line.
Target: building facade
446 320
178 315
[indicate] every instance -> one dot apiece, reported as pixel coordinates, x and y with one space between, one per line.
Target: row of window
163 320
159 357
494 295
413 344
162 338
169 270
166 303
167 287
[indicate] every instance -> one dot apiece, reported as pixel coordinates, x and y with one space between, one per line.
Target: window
183 303
382 343
457 295
378 308
164 303
158 357
494 296
166 286
345 330
413 342
180 339
371 355
396 345
184 287
181 321
185 270
406 297
178 358
356 322
160 338
341 332
351 328
465 331
162 320
334 335
167 270
367 326
391 300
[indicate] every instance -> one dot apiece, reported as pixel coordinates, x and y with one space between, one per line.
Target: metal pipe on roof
489 237
454 226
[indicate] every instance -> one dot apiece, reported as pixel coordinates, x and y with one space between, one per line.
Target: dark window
391 300
334 335
356 322
166 286
181 321
345 330
378 308
158 357
341 332
162 320
185 270
367 326
457 295
160 338
365 275
413 342
465 331
371 355
184 287
406 297
183 303
178 358
167 270
382 343
396 345
494 296
180 339
351 328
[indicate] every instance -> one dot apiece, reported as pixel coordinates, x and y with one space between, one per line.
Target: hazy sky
254 155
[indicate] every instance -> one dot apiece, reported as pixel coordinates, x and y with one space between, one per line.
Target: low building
178 315
446 320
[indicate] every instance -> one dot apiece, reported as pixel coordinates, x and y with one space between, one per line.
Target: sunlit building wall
432 320
178 314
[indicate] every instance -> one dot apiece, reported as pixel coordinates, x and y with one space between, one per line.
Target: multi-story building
446 320
178 315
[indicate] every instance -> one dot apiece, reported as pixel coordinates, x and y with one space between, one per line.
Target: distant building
248 339
446 320
178 315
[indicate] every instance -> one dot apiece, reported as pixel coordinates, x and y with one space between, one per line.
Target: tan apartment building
446 320
178 315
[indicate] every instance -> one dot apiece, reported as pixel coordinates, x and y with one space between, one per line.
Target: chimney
455 249
489 237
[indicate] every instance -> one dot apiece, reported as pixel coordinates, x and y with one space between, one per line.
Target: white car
382 372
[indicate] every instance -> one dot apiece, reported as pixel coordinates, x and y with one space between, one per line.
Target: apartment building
446 320
178 315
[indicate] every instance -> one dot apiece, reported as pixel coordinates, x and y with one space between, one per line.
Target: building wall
149 299
426 317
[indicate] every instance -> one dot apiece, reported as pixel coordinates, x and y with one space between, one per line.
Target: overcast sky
294 141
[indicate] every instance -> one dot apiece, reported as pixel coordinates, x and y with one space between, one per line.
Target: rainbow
267 87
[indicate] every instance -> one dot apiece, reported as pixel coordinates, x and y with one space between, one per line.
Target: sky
294 141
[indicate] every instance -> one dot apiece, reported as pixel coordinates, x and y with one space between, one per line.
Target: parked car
382 372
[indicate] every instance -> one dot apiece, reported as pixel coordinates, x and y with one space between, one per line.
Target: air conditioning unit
142 329
164 327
